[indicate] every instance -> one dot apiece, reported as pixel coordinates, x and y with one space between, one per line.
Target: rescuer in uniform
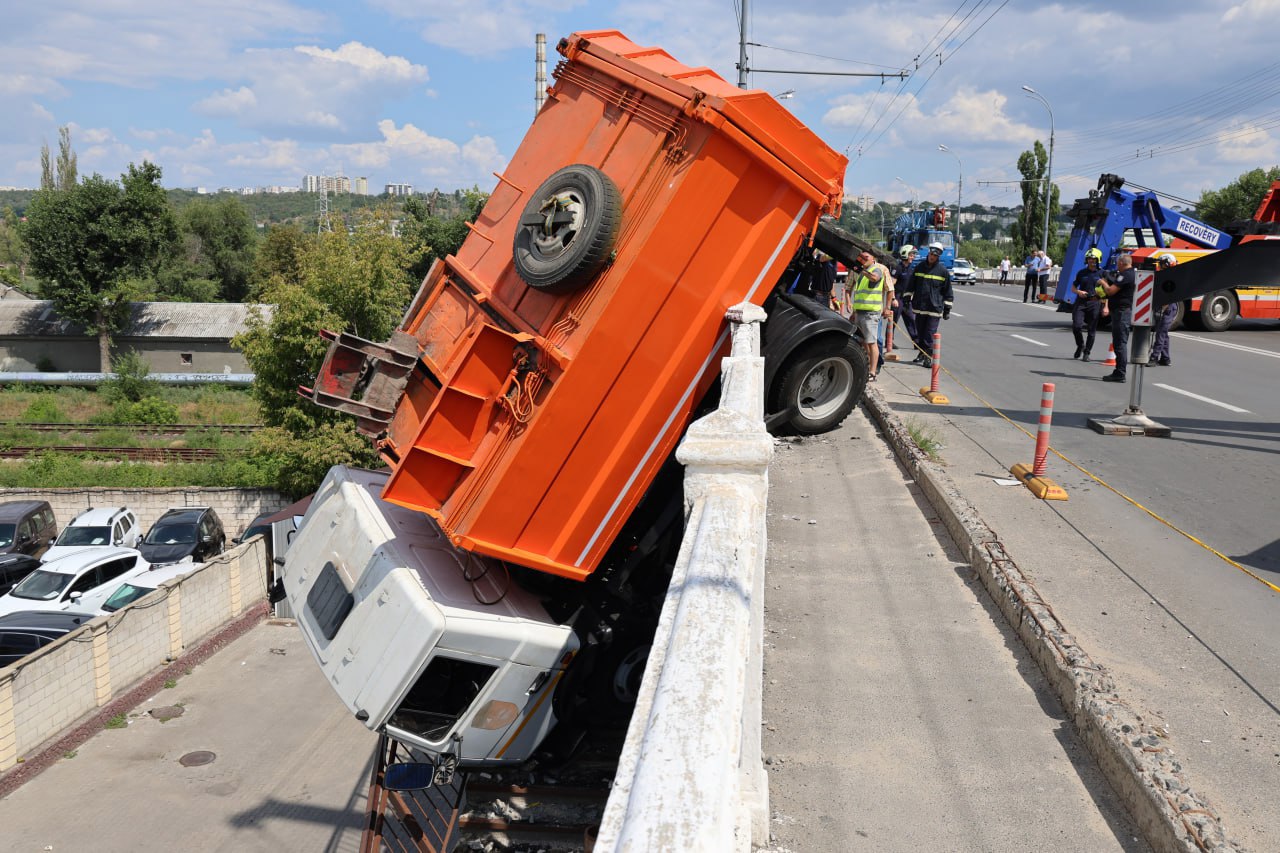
1160 345
1118 289
902 308
1088 306
929 292
868 297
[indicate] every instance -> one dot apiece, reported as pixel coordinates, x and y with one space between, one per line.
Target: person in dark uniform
902 308
1118 288
1164 320
1088 305
824 278
929 292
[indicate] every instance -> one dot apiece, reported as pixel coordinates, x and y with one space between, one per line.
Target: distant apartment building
861 202
362 186
326 183
399 189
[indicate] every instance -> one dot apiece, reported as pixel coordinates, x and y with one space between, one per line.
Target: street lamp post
959 187
1048 179
910 189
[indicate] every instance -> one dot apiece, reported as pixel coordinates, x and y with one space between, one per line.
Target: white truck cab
455 658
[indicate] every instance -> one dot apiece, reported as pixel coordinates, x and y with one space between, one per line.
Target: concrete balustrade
690 776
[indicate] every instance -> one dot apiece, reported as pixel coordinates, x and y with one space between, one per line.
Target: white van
436 646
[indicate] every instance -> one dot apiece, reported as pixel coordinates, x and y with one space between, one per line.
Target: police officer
929 292
1118 287
1088 305
1160 346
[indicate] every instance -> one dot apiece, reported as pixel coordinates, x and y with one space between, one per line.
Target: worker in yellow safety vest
869 285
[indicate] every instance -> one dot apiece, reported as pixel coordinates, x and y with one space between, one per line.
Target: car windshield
41 585
126 594
963 264
85 536
172 534
6 534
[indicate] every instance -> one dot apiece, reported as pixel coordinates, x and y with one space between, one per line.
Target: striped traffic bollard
932 394
889 354
1033 476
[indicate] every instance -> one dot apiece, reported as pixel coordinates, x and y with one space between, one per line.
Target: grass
70 753
119 721
211 405
926 440
170 684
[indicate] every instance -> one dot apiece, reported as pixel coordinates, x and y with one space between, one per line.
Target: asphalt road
1188 635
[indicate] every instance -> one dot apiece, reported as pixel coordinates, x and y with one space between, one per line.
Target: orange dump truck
543 376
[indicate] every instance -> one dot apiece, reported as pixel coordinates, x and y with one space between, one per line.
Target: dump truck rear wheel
568 229
822 389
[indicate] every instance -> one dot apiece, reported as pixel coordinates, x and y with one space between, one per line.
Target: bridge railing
690 776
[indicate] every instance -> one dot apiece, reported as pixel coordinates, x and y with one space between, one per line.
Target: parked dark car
185 534
15 567
24 632
27 527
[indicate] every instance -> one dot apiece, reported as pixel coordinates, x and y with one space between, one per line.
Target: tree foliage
279 258
1238 199
355 282
218 246
13 254
96 244
435 235
1028 230
63 175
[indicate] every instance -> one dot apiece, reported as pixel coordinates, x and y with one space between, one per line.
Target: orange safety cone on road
1111 356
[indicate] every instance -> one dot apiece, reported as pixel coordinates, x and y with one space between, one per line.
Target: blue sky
438 93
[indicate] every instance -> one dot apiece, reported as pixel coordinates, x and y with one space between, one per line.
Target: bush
43 410
130 382
296 466
149 410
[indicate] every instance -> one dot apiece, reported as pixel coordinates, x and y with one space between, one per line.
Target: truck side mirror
409 776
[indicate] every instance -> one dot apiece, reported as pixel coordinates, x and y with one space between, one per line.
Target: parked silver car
963 272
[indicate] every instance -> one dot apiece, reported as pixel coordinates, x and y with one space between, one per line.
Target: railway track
136 429
119 454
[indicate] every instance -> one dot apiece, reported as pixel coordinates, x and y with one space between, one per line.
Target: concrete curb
53 750
1132 748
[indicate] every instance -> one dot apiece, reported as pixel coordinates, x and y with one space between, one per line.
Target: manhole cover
166 713
197 758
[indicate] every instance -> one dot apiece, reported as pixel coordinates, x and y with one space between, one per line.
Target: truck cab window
446 688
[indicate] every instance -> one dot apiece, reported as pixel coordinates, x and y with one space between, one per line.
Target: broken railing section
690 776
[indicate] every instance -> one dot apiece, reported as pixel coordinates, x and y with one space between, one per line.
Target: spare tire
568 229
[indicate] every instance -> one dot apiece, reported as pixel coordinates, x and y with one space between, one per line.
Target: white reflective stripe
720 341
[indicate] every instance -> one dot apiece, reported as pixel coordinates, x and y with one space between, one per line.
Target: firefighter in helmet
1087 309
1164 322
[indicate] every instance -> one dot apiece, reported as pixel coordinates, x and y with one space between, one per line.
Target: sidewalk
290 770
901 712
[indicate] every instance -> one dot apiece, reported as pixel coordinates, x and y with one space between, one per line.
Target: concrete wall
236 507
46 692
81 355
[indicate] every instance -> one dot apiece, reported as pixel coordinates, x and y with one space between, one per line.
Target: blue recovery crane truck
1112 218
919 228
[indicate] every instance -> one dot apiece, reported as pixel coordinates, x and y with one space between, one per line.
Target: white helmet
935 247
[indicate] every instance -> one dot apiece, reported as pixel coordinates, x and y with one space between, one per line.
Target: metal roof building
173 337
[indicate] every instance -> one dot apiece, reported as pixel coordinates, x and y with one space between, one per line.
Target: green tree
436 236
13 253
279 258
355 282
219 243
1028 230
63 176
1238 199
96 244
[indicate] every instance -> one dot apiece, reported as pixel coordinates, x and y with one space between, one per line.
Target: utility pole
742 46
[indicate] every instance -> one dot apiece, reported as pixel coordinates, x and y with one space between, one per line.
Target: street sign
1143 294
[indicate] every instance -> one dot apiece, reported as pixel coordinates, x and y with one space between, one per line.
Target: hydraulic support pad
1042 487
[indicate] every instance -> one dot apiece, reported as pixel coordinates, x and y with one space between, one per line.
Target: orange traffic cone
1111 356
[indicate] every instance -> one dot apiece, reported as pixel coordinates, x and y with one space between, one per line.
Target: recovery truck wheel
1179 317
822 388
1218 310
568 229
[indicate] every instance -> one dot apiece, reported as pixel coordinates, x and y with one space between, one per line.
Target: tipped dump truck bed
543 374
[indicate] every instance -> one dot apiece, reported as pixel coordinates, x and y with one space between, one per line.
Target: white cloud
481 27
1253 10
1247 144
228 102
314 90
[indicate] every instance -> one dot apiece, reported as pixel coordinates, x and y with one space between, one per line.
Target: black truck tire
1218 310
567 231
821 388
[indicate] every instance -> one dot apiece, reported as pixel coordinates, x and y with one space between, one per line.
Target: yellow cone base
935 397
1042 487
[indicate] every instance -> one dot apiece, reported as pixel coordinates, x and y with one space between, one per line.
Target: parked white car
111 597
60 583
963 272
97 528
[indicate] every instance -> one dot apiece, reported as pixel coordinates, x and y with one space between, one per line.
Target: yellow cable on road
1169 524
